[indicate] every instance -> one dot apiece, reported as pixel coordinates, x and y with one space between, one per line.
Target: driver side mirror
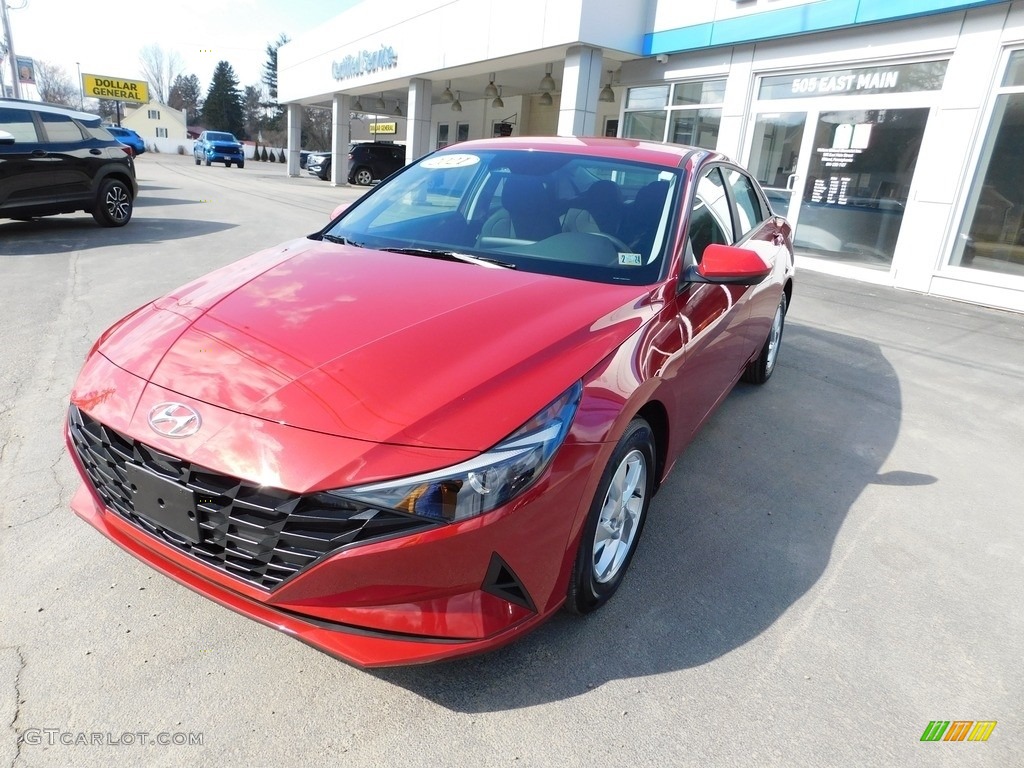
728 264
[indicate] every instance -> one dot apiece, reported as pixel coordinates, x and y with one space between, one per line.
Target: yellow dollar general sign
958 730
117 88
382 127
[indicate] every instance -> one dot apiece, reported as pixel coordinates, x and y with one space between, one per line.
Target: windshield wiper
340 240
481 261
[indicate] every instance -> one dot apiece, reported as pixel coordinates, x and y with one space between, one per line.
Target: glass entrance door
843 185
774 156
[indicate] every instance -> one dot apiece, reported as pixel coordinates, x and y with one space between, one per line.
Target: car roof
654 153
42 106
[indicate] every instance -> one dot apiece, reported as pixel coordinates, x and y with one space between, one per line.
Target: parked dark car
56 160
128 137
367 162
218 147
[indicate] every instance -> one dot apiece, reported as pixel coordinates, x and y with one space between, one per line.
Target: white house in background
159 124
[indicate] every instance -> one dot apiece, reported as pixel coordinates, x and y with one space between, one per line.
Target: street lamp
81 91
15 83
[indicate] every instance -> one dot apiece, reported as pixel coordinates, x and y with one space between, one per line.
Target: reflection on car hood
377 346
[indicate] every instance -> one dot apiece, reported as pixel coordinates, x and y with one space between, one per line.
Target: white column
294 137
340 136
581 86
417 127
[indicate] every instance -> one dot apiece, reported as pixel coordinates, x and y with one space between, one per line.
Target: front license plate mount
163 502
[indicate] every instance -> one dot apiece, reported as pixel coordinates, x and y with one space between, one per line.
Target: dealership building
890 132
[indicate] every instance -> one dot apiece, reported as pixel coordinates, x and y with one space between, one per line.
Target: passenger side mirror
6 138
340 209
728 264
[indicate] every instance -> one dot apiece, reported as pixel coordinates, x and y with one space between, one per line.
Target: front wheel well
656 416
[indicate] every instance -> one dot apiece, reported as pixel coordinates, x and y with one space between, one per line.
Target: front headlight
485 482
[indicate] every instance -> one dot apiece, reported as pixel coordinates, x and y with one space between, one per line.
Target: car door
760 231
73 158
711 317
26 179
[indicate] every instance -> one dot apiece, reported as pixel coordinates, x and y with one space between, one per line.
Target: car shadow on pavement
58 235
742 528
148 202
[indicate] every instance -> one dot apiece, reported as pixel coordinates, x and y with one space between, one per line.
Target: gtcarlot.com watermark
51 737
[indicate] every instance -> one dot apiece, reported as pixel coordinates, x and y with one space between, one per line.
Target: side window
18 123
749 210
60 128
710 219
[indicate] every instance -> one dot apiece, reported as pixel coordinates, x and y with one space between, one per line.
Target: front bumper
438 592
221 155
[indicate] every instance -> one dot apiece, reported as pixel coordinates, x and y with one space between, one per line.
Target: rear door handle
95 151
39 153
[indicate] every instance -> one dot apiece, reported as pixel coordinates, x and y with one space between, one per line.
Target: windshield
219 137
592 218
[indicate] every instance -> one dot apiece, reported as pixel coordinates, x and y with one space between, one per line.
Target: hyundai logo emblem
174 420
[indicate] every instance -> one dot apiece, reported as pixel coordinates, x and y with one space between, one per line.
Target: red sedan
419 432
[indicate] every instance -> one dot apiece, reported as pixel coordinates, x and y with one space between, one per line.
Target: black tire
595 578
362 176
114 204
761 368
207 162
197 159
241 163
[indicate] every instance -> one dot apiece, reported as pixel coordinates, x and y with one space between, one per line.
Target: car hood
377 346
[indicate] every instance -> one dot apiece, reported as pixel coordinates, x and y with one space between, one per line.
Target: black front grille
257 534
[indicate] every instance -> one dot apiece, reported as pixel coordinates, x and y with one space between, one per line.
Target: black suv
58 160
366 162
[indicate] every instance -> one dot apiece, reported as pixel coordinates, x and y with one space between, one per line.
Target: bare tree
161 69
54 85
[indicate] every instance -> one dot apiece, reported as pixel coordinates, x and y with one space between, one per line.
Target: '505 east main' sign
364 62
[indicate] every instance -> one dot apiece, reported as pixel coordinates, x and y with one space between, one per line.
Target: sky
104 38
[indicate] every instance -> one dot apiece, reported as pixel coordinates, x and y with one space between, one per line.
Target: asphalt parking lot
836 561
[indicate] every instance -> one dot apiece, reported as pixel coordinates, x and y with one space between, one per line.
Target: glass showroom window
686 118
991 236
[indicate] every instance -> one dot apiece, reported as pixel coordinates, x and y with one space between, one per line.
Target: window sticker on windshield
450 161
630 260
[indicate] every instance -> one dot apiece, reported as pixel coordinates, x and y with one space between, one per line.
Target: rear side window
60 128
18 123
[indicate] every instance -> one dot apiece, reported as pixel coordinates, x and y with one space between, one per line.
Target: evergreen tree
222 110
187 94
275 119
252 110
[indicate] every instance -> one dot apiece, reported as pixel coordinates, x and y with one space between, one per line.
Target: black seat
527 212
599 209
640 224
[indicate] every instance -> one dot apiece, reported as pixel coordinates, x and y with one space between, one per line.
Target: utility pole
15 83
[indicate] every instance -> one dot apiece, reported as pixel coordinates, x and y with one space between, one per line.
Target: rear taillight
128 151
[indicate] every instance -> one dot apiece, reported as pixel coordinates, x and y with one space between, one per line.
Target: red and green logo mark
958 730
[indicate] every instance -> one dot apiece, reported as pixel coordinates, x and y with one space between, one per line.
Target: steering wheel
620 246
